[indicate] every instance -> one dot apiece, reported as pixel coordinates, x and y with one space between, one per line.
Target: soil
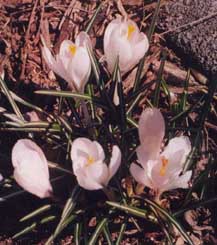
197 40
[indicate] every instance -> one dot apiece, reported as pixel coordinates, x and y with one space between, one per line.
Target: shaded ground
197 39
23 21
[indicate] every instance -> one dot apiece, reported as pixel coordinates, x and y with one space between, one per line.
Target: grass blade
97 232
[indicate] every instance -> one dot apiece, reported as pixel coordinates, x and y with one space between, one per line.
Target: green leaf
121 234
36 212
134 211
90 24
10 98
97 232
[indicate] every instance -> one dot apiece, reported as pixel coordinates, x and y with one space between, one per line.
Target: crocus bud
123 39
88 163
31 168
72 63
158 170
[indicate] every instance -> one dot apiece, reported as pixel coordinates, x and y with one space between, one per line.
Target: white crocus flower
72 63
158 170
89 165
123 39
31 168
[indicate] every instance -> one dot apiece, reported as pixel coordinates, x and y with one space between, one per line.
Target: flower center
164 163
130 31
90 160
72 49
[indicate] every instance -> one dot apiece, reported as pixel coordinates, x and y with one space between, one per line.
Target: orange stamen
164 163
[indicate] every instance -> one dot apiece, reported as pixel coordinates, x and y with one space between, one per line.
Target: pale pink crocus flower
160 170
31 168
123 39
72 63
88 162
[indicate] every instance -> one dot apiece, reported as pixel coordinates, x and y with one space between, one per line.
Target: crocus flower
31 168
72 63
123 39
89 165
158 170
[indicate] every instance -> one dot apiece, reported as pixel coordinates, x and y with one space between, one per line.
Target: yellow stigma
72 49
90 160
164 163
130 31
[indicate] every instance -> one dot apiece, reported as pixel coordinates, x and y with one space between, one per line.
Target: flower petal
1 178
140 175
179 182
83 40
180 144
117 45
31 168
87 182
79 68
115 161
98 172
101 154
151 133
139 48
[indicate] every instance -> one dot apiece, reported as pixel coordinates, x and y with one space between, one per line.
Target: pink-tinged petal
98 172
83 147
118 46
100 151
31 168
177 146
79 68
140 175
179 182
139 48
23 149
109 29
115 161
83 40
49 59
151 132
87 182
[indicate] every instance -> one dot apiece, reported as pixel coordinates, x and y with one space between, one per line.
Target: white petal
55 65
139 48
83 147
87 182
180 144
1 178
118 46
140 175
151 132
98 172
23 149
31 168
101 154
115 161
79 68
83 40
109 29
179 182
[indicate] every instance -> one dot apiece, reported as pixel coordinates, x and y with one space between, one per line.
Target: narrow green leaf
90 24
97 232
77 233
25 231
121 234
134 211
36 212
10 98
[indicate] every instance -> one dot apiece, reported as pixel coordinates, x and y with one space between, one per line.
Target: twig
191 24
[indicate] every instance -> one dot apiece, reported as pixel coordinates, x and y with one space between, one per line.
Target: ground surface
197 39
22 22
